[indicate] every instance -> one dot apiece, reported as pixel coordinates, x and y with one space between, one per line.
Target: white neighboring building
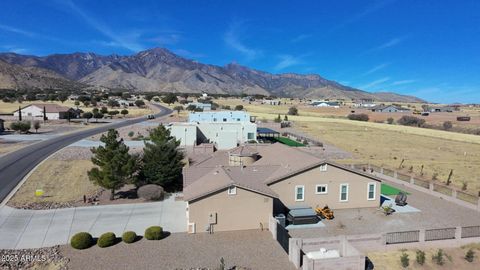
224 134
35 111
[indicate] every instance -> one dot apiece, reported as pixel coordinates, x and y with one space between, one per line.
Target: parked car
150 116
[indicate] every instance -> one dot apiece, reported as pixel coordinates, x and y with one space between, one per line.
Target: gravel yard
250 249
435 213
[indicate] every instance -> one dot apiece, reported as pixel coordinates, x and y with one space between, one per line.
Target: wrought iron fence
470 231
467 197
439 234
402 237
421 183
442 189
403 177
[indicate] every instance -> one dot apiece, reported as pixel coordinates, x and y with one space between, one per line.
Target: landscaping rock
150 192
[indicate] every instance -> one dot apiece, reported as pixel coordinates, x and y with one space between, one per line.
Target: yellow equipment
324 212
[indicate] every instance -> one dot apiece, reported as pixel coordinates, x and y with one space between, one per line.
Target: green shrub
358 117
106 240
390 120
405 260
292 111
129 237
408 120
438 257
470 255
420 257
81 240
154 233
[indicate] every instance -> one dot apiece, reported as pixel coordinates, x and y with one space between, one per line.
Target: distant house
271 101
442 109
202 106
35 111
389 109
2 127
321 103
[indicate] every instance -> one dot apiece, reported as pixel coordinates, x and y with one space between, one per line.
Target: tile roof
277 162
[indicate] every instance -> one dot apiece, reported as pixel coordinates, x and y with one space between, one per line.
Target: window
214 119
344 192
232 190
371 191
323 167
321 189
251 136
299 193
238 119
224 119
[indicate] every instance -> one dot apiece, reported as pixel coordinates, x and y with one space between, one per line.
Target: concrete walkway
21 228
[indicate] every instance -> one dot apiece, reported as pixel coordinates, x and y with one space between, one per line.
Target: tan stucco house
241 188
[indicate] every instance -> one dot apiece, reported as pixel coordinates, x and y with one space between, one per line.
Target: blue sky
426 48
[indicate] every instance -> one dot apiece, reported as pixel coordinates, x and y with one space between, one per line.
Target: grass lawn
62 181
389 190
289 142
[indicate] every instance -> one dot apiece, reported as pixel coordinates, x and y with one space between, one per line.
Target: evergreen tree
162 162
116 167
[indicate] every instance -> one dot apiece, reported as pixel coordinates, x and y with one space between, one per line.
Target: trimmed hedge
129 237
154 233
81 240
106 240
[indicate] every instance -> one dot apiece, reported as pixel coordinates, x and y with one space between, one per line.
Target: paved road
21 228
14 166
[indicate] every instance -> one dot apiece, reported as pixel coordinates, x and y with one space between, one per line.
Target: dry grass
383 144
391 260
62 181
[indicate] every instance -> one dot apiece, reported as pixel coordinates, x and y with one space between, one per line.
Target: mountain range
160 70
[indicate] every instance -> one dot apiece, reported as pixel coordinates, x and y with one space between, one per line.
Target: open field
61 180
132 111
386 145
391 260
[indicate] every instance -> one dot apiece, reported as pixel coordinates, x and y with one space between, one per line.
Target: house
220 116
242 188
442 109
389 108
202 106
321 103
271 101
224 129
35 111
2 125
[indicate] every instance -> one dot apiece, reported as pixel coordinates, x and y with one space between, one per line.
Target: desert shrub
150 192
447 125
238 107
106 240
81 240
420 256
22 126
408 120
470 255
358 117
278 119
292 111
131 133
226 107
129 237
438 257
154 233
390 120
404 260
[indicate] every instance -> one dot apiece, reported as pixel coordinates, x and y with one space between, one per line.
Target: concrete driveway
21 228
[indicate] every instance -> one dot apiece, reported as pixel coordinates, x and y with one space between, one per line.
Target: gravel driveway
251 249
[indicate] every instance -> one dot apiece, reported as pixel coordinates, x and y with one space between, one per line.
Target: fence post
412 180
395 174
381 170
352 166
430 186
478 206
458 233
294 246
454 193
421 236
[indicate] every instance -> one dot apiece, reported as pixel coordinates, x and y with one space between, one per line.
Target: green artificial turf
389 190
289 142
